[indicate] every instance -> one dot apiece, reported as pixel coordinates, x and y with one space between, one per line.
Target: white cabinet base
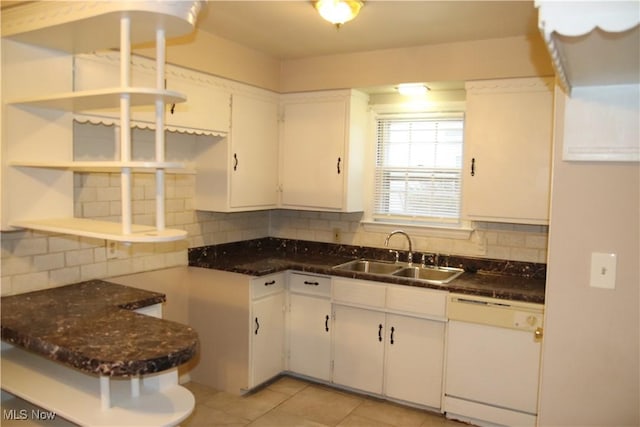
466 411
76 396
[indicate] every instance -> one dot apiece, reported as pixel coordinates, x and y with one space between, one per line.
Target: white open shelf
76 396
592 43
84 26
108 166
102 98
102 229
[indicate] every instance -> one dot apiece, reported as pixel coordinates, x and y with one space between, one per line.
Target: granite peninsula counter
90 326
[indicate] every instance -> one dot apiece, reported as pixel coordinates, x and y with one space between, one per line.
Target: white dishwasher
492 360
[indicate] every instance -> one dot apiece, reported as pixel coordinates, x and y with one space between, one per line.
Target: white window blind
418 168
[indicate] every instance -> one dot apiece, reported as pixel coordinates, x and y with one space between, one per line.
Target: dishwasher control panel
495 312
526 320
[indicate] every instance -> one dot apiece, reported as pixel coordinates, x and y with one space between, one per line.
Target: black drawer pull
257 326
380 332
392 331
311 283
473 167
273 282
326 323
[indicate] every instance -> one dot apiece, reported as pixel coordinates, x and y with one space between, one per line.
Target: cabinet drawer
358 292
420 301
266 285
308 284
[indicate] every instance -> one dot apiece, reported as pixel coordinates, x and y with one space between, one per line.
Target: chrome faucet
410 256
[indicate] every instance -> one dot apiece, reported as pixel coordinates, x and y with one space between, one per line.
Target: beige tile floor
292 402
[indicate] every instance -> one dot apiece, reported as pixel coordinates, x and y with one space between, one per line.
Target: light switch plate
603 270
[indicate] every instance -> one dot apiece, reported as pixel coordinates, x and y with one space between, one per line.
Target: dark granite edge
134 305
271 255
272 247
74 358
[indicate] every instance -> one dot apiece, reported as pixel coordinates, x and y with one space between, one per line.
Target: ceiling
293 29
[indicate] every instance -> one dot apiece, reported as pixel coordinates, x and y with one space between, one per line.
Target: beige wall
214 55
482 59
473 60
590 374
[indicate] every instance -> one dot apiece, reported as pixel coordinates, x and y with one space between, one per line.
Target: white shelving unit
79 27
595 49
94 99
592 43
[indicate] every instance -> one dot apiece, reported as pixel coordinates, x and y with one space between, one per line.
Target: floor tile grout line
281 403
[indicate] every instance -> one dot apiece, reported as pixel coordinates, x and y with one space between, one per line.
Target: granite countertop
90 326
512 280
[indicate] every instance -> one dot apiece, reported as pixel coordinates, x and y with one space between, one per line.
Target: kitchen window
418 169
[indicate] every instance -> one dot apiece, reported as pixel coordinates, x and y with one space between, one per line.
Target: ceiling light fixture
412 89
338 11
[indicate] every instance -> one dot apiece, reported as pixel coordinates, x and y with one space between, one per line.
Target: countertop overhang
90 326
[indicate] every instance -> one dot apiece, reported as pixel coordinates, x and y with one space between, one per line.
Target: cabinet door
358 348
508 154
313 154
309 336
414 360
206 108
254 152
267 338
495 365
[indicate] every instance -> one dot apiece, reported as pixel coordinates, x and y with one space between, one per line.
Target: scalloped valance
138 124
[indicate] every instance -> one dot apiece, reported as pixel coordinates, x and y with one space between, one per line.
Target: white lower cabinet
267 328
225 308
310 326
414 360
358 348
389 340
374 337
309 339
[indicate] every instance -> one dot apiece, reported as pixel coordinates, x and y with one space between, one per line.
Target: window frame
389 218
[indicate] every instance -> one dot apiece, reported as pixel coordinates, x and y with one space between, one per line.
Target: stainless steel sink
434 275
370 266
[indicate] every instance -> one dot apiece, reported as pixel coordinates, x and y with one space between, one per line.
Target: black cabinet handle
473 167
257 326
392 331
326 323
338 165
311 283
380 332
273 282
173 108
235 161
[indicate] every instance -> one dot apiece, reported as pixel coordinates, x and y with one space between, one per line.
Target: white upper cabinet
507 154
592 43
322 146
240 172
205 112
207 109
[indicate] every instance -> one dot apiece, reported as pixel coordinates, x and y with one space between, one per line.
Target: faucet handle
429 259
397 254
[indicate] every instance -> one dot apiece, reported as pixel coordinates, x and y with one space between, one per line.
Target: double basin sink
429 274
